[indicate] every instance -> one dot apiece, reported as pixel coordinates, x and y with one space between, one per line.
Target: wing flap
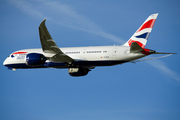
61 58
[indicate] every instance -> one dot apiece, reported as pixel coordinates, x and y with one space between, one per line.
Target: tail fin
142 34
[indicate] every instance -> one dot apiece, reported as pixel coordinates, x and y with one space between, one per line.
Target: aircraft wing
49 45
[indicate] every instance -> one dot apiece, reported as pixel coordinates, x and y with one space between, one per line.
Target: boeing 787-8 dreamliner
80 60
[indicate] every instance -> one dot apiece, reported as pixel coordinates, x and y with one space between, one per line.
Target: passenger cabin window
72 52
104 51
93 51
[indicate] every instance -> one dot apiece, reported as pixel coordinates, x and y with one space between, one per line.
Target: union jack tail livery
142 34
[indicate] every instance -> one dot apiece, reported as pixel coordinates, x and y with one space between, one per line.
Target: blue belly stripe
63 65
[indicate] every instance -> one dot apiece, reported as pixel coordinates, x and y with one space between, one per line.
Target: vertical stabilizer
142 34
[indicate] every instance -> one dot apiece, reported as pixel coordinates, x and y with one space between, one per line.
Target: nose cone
5 63
8 65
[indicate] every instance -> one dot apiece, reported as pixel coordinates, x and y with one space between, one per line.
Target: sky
144 90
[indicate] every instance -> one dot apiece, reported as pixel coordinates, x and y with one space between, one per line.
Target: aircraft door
114 51
83 54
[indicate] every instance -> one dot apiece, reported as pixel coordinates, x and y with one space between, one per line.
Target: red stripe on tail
148 24
139 43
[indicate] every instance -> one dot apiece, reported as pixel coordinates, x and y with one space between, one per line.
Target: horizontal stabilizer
135 48
150 58
163 53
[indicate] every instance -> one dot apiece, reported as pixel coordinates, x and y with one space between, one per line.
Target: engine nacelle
35 59
78 71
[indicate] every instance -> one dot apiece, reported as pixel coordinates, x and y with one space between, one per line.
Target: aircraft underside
82 64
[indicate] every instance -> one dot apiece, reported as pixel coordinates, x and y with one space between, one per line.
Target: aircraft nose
8 65
5 62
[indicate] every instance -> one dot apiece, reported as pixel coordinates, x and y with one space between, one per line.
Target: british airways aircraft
80 60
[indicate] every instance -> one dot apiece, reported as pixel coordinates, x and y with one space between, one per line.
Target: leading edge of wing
49 45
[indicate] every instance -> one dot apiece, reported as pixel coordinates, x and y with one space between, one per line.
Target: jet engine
75 72
35 59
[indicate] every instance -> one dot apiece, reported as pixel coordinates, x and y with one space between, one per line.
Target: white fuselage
79 60
90 56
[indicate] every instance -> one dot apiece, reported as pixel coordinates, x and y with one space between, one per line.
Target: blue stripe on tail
145 35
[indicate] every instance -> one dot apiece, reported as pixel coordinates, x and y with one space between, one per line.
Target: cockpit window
12 56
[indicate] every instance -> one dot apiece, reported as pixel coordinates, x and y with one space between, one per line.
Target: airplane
80 60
